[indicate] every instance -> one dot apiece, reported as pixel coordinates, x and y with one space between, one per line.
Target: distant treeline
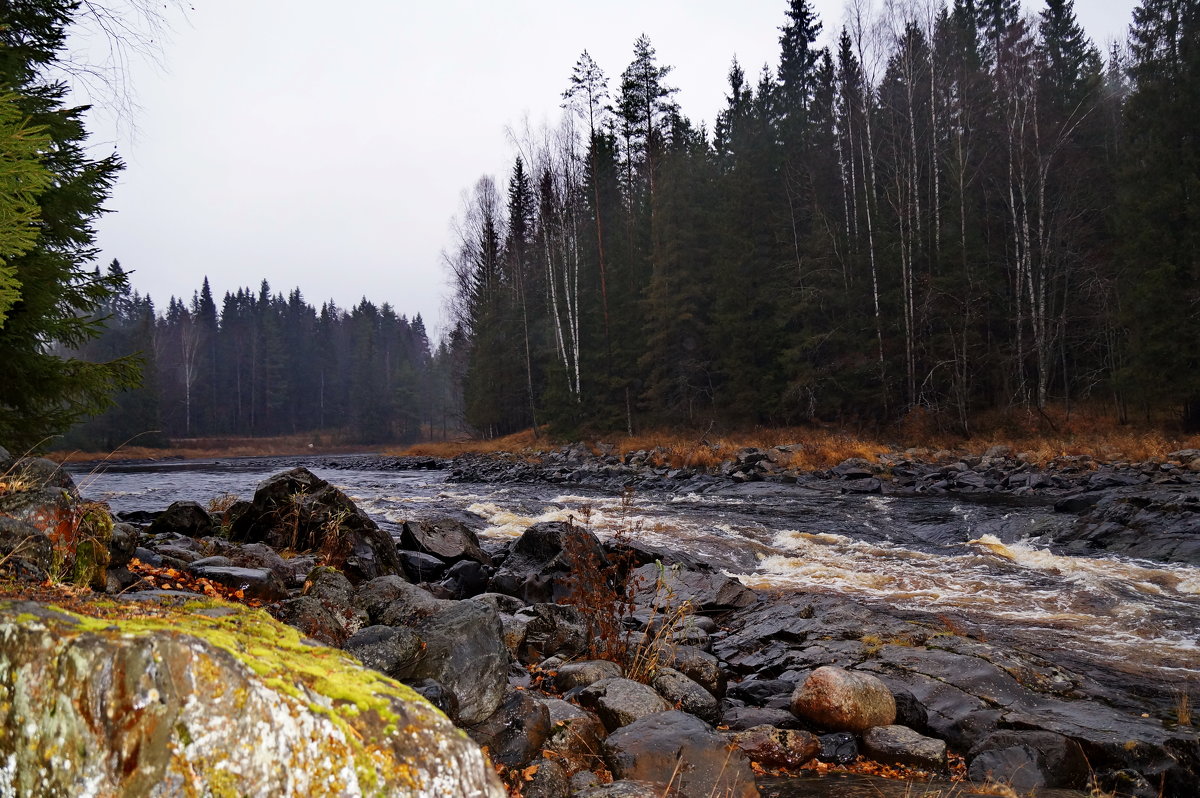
266 364
953 209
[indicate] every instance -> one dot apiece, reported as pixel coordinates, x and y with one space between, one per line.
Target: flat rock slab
900 745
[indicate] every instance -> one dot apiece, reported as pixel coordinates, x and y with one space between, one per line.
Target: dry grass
200 448
1183 708
524 442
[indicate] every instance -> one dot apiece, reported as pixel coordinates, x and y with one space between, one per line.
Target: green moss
287 665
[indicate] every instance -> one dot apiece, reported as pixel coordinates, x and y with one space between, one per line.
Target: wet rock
1148 523
775 693
629 788
298 511
841 700
411 605
465 579
258 584
154 708
39 492
1015 766
552 629
585 672
900 745
620 702
546 562
549 780
777 748
679 749
312 619
837 749
444 538
699 666
701 591
575 734
420 567
516 731
393 650
1059 760
435 693
742 718
683 693
25 549
183 518
465 652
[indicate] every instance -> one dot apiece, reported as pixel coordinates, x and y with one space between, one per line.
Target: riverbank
1010 707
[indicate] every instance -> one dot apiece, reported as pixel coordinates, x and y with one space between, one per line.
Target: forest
954 209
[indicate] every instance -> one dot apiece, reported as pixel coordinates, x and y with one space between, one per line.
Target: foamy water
976 561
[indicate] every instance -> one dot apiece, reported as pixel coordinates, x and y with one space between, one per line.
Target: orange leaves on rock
153 578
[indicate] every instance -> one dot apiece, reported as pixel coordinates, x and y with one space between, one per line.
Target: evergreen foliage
43 387
920 218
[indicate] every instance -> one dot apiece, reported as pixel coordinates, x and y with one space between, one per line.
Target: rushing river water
978 562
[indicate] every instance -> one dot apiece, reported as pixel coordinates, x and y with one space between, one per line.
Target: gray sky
327 147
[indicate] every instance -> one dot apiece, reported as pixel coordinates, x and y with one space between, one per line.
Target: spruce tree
42 389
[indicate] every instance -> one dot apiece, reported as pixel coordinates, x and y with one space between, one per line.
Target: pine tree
1160 204
42 389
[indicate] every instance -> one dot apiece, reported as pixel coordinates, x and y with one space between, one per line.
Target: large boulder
298 511
183 518
549 562
1035 758
681 750
702 591
465 653
215 700
516 731
840 700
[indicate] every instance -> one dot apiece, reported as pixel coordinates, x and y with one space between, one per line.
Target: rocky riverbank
575 662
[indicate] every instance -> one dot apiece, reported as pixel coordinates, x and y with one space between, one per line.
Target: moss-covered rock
210 700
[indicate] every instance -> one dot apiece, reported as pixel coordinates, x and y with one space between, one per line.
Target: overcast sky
327 146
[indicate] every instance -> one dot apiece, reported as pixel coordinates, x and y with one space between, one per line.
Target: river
980 563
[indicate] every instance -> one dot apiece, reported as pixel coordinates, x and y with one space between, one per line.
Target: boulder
183 518
840 700
552 630
575 734
547 563
421 567
585 672
1015 766
465 652
620 702
393 650
777 748
900 745
464 579
1059 761
699 666
742 718
549 780
683 693
312 619
516 731
298 511
681 750
702 591
444 538
258 584
25 550
173 703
